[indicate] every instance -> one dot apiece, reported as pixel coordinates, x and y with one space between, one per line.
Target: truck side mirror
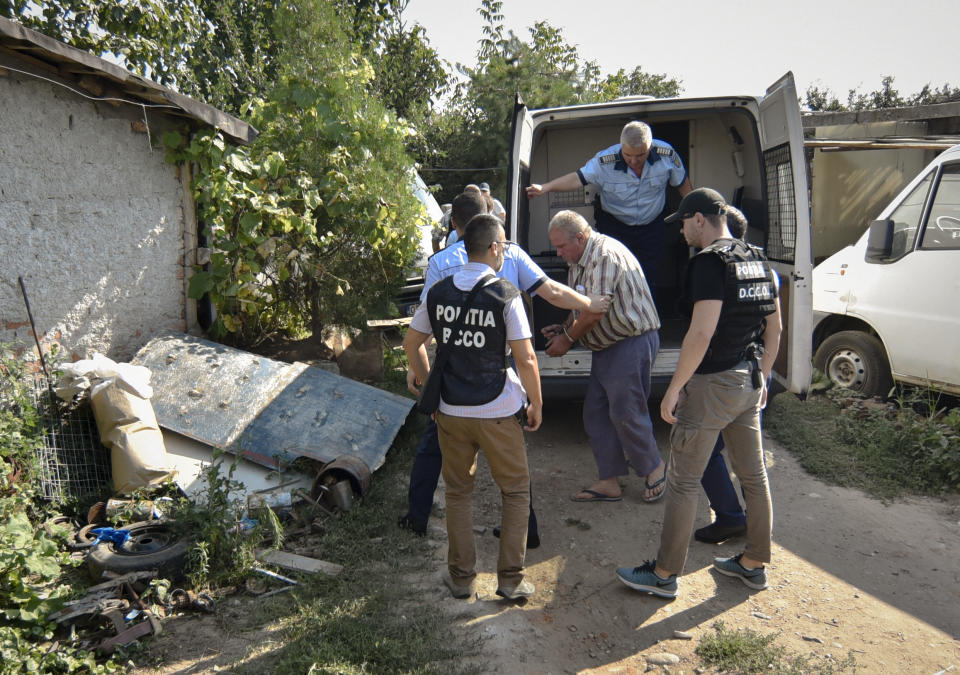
880 241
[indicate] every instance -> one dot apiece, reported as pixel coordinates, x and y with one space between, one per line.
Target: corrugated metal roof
70 66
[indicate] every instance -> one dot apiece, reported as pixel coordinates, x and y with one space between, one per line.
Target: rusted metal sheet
207 391
268 411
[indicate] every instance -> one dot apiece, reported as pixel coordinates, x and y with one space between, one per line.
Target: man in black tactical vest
719 386
479 320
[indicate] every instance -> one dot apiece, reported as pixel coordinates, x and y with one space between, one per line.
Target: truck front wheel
855 360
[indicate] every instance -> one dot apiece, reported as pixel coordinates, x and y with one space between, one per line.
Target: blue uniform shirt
632 200
518 268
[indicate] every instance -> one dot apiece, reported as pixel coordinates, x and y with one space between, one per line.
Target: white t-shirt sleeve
421 320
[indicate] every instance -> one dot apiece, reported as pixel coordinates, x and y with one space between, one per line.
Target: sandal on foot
659 495
594 496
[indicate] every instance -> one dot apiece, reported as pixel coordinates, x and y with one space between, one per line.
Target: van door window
943 224
906 219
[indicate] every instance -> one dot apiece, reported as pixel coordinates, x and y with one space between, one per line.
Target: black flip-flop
594 496
657 497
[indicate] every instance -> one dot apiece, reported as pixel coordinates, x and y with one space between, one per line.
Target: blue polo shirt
632 200
518 268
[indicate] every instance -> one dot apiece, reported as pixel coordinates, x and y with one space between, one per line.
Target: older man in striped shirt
624 342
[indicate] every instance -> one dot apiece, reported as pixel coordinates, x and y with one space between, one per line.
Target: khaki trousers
723 402
506 452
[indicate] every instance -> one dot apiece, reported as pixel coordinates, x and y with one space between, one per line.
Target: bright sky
733 46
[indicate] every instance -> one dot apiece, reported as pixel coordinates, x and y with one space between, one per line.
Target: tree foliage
323 193
638 83
219 51
326 190
546 71
887 96
408 73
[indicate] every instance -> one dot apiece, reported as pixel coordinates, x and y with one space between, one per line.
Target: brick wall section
90 217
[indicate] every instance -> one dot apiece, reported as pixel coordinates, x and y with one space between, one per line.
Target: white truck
750 148
888 307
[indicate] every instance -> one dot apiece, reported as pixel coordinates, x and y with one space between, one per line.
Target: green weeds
34 571
371 618
746 651
909 444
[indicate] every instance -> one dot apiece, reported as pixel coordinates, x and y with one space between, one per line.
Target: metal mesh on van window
781 205
567 199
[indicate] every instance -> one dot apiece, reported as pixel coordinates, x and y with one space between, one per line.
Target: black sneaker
715 533
406 522
533 540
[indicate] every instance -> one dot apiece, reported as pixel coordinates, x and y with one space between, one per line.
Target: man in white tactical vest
479 320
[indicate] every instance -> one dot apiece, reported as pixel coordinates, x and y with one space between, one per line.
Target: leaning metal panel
269 412
322 416
207 391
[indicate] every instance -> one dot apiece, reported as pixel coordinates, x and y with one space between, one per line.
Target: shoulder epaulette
610 159
664 151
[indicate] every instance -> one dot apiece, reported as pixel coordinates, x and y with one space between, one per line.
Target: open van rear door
787 229
518 175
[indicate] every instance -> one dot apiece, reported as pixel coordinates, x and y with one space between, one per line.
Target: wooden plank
299 563
813 120
877 144
389 323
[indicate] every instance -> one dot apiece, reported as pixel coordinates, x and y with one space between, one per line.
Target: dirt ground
849 574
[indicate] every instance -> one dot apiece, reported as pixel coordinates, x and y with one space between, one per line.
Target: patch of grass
368 619
883 448
746 651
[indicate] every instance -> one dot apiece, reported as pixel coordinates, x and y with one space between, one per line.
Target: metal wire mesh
567 199
73 462
781 205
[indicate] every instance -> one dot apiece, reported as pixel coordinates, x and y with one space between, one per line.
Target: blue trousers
615 413
425 475
644 241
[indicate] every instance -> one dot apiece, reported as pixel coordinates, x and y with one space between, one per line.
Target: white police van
888 307
750 148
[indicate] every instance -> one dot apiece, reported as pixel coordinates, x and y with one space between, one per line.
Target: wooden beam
833 144
813 120
299 563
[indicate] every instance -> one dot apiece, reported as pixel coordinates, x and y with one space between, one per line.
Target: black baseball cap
484 187
701 200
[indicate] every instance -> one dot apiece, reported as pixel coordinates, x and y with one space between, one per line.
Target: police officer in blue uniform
633 176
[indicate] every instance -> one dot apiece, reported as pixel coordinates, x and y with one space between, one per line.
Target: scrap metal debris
277 411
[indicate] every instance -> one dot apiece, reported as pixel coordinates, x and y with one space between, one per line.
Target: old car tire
855 360
152 545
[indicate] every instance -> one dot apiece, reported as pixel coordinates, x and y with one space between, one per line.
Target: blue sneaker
643 578
755 578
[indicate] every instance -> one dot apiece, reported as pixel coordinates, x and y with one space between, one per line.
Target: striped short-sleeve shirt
607 267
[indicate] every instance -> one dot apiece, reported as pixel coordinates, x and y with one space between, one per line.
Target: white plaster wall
90 217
